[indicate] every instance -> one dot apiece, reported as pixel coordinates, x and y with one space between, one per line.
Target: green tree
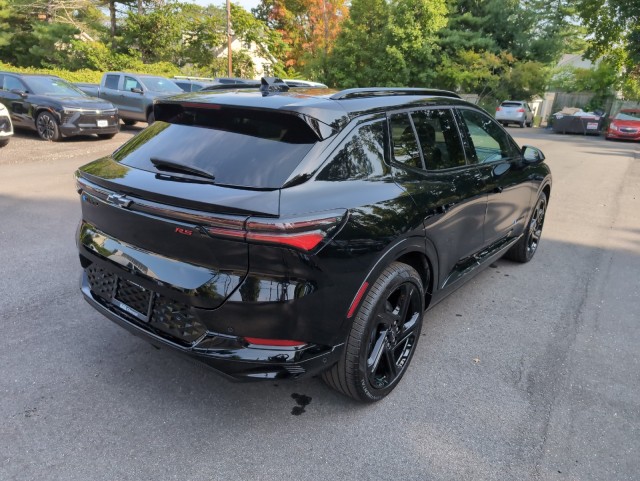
413 41
361 56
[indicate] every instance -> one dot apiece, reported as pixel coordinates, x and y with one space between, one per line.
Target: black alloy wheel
527 246
535 226
383 337
47 127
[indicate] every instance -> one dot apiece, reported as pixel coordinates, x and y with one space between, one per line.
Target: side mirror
137 90
19 92
532 155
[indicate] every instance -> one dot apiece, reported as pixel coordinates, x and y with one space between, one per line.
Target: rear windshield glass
511 104
252 154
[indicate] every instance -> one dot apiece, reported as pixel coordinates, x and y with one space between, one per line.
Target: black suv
55 108
277 235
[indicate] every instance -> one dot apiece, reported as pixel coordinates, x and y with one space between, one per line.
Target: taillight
520 110
498 109
274 342
304 232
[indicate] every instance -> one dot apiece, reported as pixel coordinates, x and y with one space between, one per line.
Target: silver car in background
514 112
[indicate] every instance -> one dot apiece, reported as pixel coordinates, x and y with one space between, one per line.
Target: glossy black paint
152 232
76 115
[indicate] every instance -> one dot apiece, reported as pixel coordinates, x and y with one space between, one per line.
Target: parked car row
55 108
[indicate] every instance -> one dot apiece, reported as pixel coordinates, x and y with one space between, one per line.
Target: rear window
255 150
511 104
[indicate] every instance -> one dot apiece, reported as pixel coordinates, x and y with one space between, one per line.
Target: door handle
498 190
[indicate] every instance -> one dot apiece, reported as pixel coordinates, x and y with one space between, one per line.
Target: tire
48 127
107 136
527 246
151 118
383 337
522 124
129 122
3 142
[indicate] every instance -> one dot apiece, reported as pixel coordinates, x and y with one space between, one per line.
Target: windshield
633 115
53 86
160 84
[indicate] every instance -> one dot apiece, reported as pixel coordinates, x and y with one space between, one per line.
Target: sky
247 4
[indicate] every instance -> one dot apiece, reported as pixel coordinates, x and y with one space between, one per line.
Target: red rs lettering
180 230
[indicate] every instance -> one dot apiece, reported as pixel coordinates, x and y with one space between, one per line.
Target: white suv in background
514 112
6 128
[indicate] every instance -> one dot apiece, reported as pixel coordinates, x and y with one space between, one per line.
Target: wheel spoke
376 353
408 328
392 365
405 301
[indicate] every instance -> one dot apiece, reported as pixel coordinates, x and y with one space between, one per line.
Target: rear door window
111 82
439 139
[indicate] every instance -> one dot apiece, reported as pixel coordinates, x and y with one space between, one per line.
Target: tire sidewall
367 316
56 134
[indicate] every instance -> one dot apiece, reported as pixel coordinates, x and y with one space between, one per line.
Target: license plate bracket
133 299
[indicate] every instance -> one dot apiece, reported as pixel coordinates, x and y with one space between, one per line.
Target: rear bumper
510 118
230 356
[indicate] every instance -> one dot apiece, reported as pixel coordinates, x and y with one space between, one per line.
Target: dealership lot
528 372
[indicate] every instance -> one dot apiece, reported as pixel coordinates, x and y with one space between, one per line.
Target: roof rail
188 77
358 93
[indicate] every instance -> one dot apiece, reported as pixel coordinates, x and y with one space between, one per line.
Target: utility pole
229 36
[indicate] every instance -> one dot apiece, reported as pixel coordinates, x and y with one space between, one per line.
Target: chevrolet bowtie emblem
119 200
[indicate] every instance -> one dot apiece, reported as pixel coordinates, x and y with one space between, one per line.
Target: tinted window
439 139
252 153
11 83
404 144
360 156
489 142
111 82
184 86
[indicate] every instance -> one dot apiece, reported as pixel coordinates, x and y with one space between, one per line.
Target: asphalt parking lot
528 372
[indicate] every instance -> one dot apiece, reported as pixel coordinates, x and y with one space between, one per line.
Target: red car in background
625 125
